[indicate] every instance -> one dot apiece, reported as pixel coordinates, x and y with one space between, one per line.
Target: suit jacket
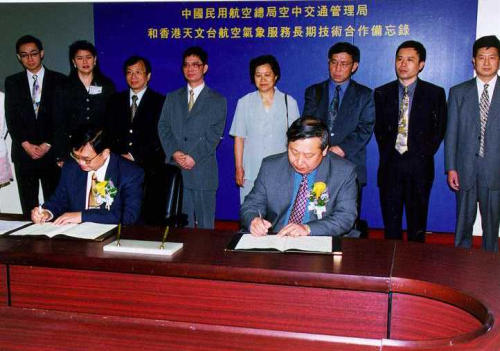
23 124
464 130
196 133
425 132
354 123
74 106
71 193
273 191
140 136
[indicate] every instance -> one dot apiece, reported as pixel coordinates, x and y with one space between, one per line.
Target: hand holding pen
259 226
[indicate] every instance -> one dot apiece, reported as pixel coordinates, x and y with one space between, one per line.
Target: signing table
379 295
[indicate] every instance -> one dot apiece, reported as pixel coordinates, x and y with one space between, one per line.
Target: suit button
130 144
88 118
88 100
131 131
185 139
477 154
88 108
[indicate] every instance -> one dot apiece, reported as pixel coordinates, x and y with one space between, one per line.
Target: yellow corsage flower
100 187
318 189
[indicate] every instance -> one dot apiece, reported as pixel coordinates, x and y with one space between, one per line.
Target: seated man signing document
96 185
304 191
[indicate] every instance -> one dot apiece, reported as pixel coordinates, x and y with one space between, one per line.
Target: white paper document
87 230
7 226
302 243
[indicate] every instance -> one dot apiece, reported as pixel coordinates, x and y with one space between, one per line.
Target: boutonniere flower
105 192
318 199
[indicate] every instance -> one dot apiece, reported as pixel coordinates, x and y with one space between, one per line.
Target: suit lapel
198 104
472 103
81 193
183 102
112 170
321 176
26 93
348 102
495 104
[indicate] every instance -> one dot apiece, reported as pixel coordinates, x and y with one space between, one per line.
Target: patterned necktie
134 106
484 108
92 193
300 203
191 100
333 109
35 96
404 109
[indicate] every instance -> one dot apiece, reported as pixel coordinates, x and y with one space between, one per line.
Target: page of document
310 243
248 241
48 229
7 226
89 230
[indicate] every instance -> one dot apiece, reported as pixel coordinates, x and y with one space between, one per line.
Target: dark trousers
406 189
489 207
28 185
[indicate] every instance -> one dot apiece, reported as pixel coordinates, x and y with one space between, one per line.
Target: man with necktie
347 108
472 146
29 114
96 185
132 121
190 128
409 128
304 191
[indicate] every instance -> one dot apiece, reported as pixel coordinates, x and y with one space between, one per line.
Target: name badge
94 90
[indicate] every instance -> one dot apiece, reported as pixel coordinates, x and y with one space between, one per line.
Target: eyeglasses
32 54
137 73
197 66
82 160
342 64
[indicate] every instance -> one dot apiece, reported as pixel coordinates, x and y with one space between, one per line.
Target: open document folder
86 230
271 243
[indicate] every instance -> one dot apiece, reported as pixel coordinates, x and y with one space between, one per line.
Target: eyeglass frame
80 160
196 66
32 54
343 65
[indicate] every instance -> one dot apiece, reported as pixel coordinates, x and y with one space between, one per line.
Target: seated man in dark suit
83 195
132 123
304 191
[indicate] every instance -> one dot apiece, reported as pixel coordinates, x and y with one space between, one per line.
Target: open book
8 226
86 230
269 243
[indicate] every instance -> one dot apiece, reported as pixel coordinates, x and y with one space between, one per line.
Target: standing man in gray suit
347 108
304 191
472 146
191 125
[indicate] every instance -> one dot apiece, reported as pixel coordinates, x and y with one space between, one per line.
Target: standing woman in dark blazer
81 98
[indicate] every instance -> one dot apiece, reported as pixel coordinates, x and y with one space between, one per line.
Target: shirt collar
343 85
491 83
39 75
101 171
411 87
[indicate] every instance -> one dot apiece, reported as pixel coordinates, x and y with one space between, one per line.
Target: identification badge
94 90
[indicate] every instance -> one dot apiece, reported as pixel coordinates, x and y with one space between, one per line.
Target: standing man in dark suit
347 108
191 125
29 115
281 199
472 146
410 125
132 117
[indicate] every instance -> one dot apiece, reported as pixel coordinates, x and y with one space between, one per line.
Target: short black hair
308 127
196 51
417 46
81 45
132 60
26 39
489 41
264 60
90 134
346 47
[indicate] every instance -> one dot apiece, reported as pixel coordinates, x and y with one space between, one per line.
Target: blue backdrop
299 34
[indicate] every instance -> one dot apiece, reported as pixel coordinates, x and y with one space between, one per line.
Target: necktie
35 96
300 203
134 106
191 100
404 109
92 195
333 108
484 108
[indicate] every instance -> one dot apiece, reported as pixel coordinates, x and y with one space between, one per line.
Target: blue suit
71 193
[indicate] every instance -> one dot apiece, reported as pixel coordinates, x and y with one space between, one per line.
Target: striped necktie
300 203
134 106
484 108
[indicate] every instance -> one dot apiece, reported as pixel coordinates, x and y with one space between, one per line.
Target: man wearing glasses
347 108
28 107
191 125
96 186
